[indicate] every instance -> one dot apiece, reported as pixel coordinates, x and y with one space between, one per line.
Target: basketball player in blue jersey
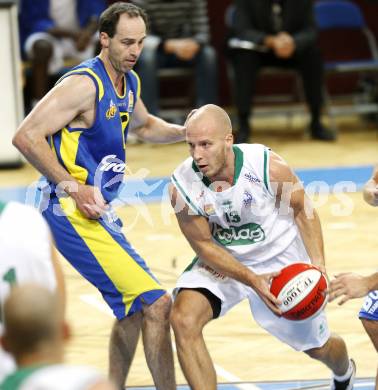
246 216
76 137
352 285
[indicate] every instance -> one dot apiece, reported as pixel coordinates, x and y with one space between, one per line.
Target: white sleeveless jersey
25 256
243 218
54 377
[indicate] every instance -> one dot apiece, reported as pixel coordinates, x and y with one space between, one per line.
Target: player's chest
239 204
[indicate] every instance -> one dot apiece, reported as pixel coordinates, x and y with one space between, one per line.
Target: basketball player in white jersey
35 333
26 255
246 215
351 285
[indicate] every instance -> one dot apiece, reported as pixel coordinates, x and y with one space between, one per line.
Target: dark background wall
334 47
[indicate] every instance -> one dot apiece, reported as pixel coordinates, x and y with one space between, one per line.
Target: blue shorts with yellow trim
101 253
369 309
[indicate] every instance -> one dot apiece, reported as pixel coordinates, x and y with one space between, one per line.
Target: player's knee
334 343
184 324
320 352
159 310
316 353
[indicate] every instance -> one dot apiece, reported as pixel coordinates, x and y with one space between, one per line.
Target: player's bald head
209 118
32 316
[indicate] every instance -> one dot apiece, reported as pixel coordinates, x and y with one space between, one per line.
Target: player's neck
44 355
116 77
227 173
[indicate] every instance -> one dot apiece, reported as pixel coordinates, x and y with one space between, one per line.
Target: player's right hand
347 285
262 288
89 201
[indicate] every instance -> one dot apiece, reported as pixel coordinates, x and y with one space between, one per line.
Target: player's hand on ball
262 288
302 288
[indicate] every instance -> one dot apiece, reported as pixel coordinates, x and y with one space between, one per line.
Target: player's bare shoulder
279 170
79 93
76 88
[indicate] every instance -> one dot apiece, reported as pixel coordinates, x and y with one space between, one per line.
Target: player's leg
192 310
122 345
371 327
101 253
334 355
158 344
369 318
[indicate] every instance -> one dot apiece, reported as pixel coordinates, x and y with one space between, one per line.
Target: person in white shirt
246 216
27 254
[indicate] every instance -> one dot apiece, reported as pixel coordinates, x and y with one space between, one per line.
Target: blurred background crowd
239 54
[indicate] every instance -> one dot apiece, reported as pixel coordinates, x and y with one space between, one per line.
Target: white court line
99 304
363 384
341 225
232 378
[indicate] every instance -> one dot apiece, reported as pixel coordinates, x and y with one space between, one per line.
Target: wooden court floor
241 350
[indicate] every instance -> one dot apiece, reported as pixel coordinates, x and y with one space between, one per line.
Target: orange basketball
302 289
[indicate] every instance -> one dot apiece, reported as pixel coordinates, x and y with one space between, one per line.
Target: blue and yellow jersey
97 155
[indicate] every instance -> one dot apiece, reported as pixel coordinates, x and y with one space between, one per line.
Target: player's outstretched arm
197 231
351 285
150 128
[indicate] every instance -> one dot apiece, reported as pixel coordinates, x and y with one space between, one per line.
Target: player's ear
104 39
229 139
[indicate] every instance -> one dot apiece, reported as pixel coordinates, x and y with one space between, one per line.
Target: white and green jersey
54 377
25 256
243 218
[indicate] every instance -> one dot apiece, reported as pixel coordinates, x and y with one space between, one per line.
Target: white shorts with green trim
300 335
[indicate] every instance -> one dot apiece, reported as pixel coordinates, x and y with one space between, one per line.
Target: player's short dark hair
110 17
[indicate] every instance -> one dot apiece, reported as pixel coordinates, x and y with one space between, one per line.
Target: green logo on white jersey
247 234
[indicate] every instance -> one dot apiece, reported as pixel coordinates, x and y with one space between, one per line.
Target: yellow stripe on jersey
52 145
90 71
128 277
68 151
138 79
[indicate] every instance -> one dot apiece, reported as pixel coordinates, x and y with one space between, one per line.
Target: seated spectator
53 31
283 34
34 334
178 37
